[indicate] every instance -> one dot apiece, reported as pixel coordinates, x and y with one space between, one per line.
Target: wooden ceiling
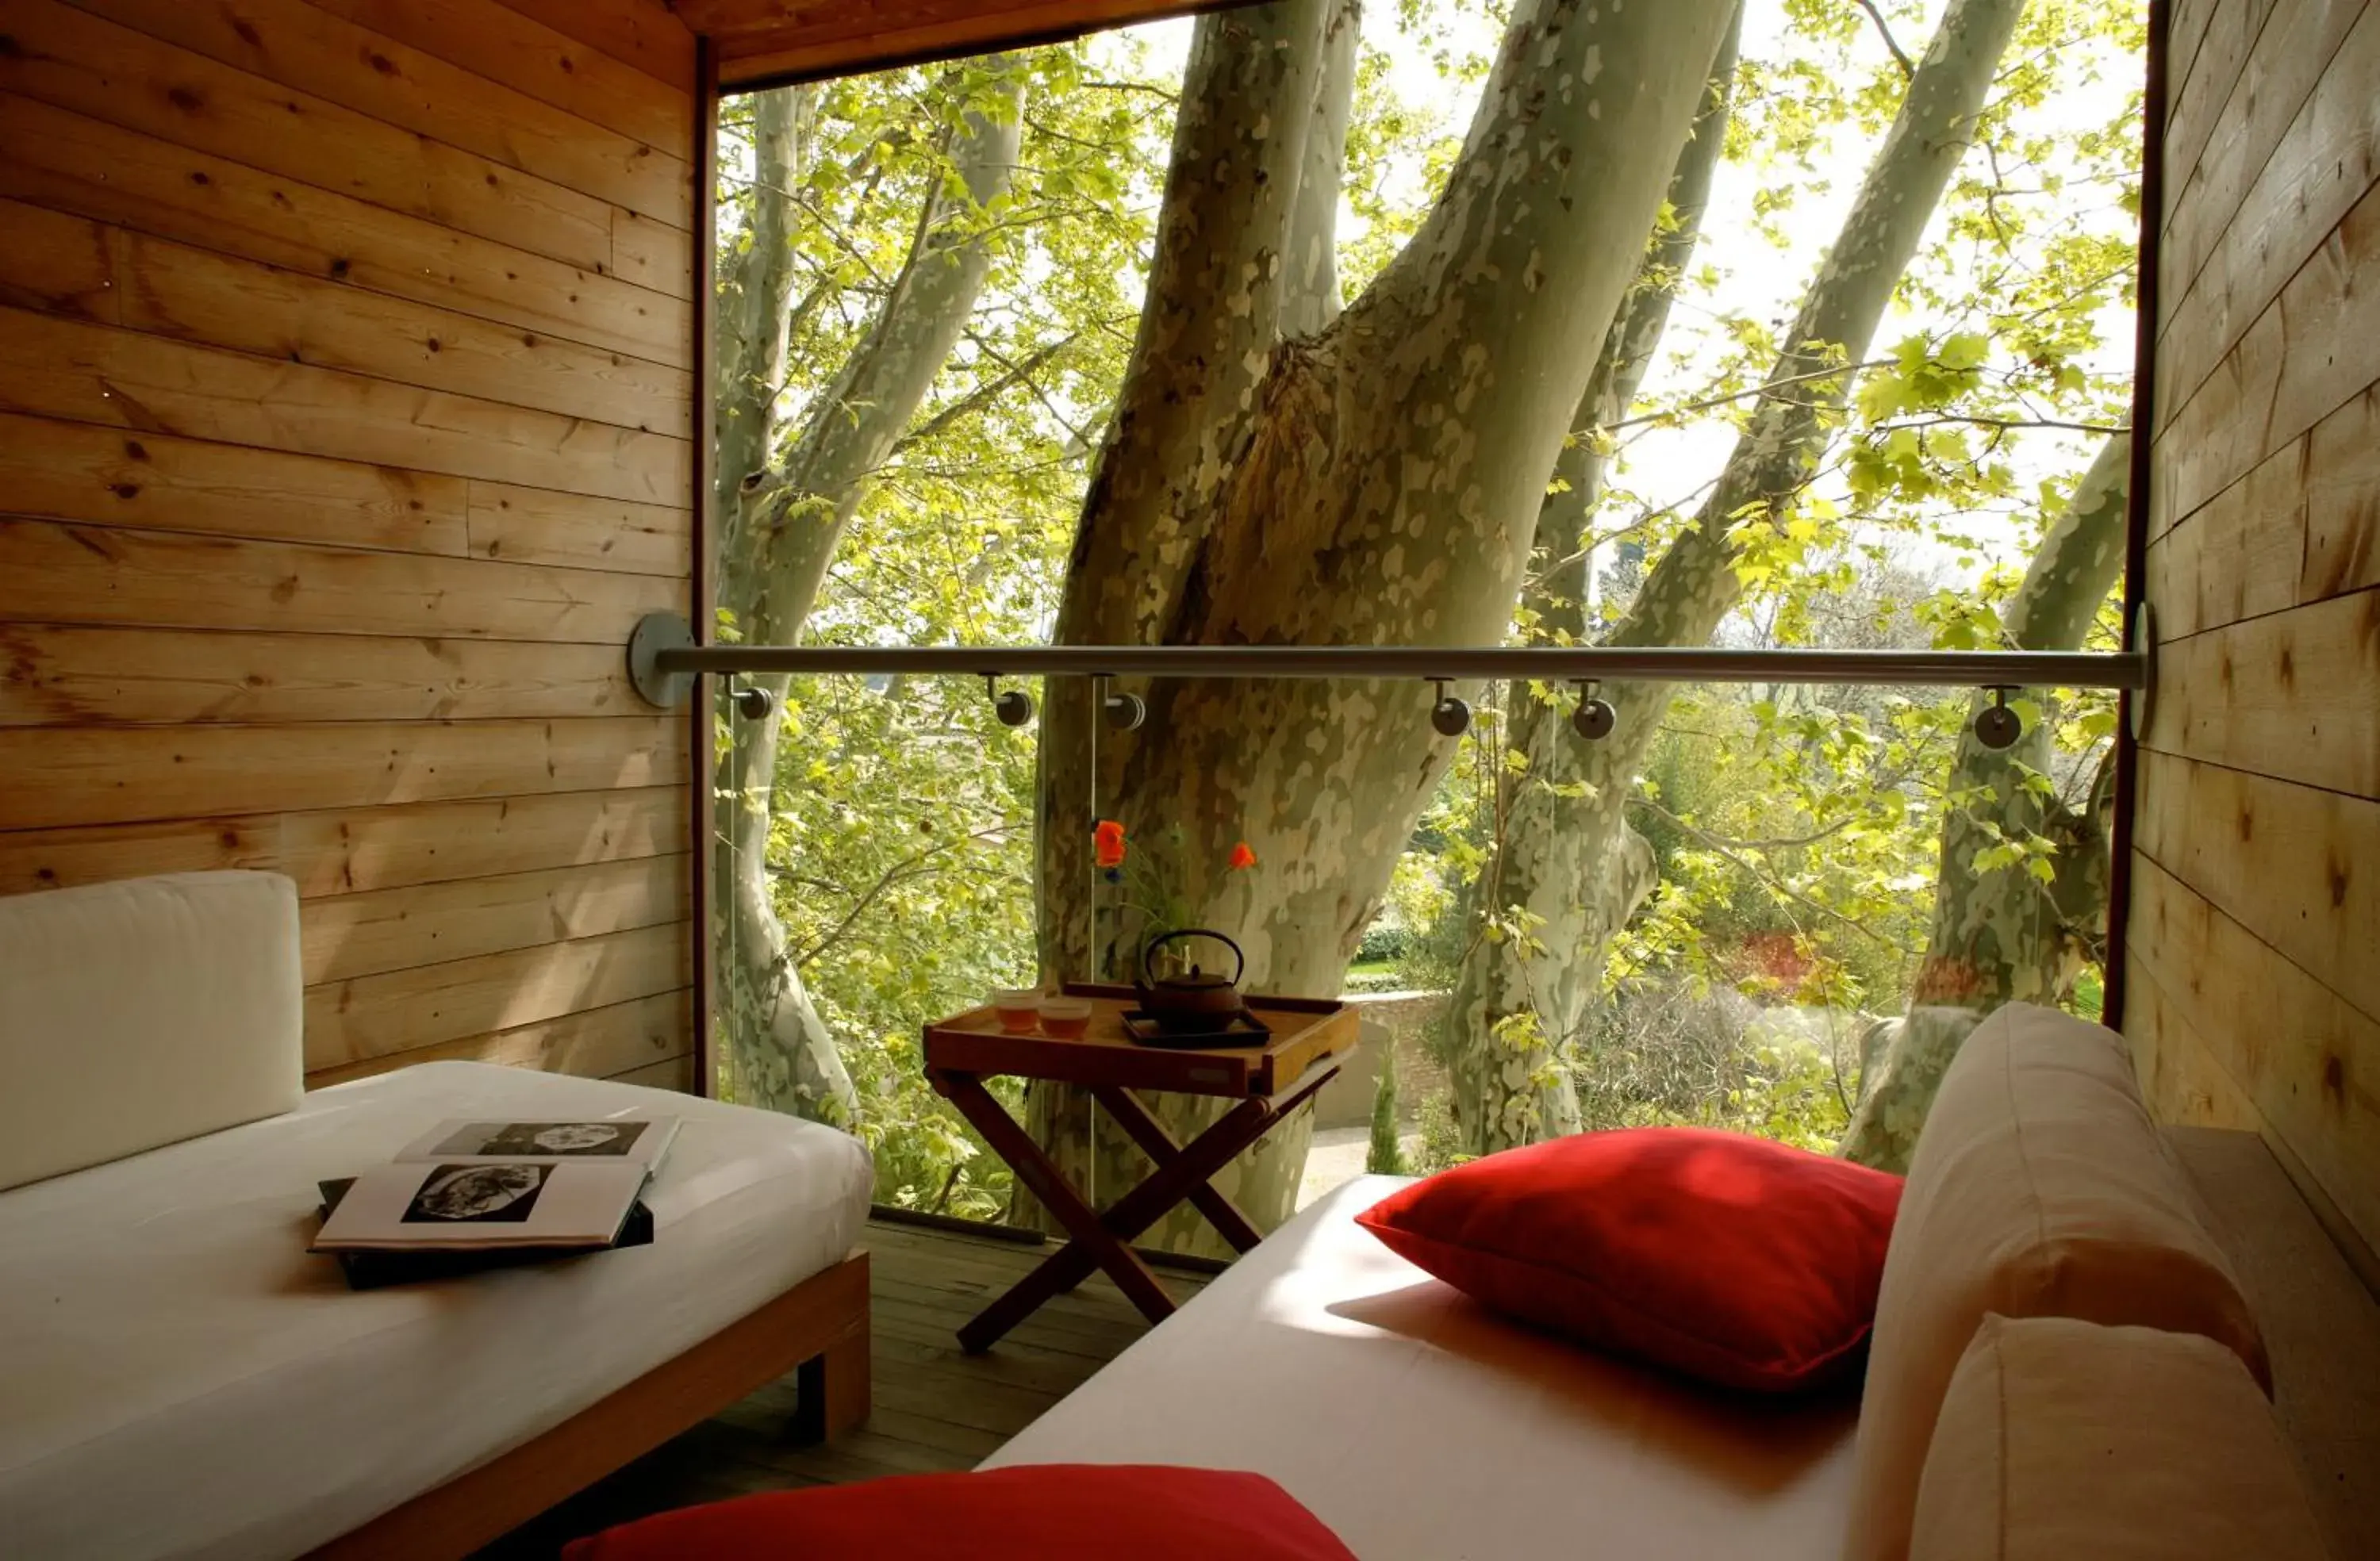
766 43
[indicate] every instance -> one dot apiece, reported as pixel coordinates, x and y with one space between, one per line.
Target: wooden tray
1305 1031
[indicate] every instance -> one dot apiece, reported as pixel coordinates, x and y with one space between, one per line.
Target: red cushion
1033 1512
1741 1261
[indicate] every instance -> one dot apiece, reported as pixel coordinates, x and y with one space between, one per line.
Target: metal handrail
664 657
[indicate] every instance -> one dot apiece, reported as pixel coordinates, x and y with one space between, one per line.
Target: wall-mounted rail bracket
655 633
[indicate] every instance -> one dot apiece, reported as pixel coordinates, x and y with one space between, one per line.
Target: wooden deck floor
935 1408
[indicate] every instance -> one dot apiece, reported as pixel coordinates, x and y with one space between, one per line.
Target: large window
1277 328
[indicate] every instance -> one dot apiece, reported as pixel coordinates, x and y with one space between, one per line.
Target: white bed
1406 1417
182 1380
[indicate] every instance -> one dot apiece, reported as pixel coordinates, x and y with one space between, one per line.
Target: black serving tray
1246 1030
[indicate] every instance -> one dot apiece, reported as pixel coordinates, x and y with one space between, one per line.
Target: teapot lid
1197 980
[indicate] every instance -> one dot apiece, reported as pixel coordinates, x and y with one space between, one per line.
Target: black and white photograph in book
544 1138
478 1194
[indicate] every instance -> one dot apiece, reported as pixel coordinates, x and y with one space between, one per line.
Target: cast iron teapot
1196 1004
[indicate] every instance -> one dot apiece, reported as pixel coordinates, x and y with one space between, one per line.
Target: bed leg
832 1389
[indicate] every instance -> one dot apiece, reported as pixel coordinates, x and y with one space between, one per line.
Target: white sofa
1421 1427
182 1378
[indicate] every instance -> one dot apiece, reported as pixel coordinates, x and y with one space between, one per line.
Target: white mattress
1421 1428
181 1379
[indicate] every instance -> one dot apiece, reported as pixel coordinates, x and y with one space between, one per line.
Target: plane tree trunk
1522 988
1695 585
783 505
1374 481
2009 924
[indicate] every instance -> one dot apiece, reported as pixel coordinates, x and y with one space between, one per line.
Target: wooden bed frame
819 1327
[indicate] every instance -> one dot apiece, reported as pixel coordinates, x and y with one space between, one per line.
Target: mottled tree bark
1542 902
1694 585
2003 936
781 522
1375 482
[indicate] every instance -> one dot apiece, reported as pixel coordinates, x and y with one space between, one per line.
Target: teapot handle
1239 959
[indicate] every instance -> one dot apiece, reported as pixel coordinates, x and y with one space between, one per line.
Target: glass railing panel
1772 909
888 882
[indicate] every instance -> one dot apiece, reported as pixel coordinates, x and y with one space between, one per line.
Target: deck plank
935 1408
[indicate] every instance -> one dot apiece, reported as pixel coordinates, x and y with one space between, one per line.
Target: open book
643 1140
486 1186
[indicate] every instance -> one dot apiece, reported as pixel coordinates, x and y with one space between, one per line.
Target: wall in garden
346 429
2254 938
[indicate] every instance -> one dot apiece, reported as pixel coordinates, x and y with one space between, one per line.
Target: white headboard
139 1013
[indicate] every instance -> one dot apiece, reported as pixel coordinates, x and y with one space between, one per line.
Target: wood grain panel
677 1074
343 456
127 775
114 676
2241 555
352 935
73 164
2290 695
60 574
530 57
170 289
2299 868
2305 525
2253 918
348 851
764 39
158 482
2342 501
381 1015
298 45
2252 242
537 525
2180 1075
2308 1060
55 264
2307 355
2200 91
650 254
644 34
80 62
2296 42
90 373
2185 30
595 1043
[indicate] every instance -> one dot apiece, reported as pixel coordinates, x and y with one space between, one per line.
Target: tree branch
1899 54
989 390
1719 848
1762 389
1978 420
908 867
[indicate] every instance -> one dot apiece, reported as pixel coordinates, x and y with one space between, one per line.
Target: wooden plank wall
765 43
345 431
2254 938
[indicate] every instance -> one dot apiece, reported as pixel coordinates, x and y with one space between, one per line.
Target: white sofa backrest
139 1013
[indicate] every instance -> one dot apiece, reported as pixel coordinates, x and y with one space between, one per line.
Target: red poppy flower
1241 857
1107 843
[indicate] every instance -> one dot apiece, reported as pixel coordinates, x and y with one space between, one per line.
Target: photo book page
635 1139
460 1205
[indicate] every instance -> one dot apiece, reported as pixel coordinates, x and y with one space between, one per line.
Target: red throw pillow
1032 1512
1743 1263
